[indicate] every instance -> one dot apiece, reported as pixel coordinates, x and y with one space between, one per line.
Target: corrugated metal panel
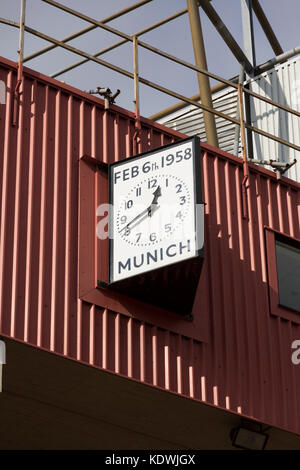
280 84
245 366
190 121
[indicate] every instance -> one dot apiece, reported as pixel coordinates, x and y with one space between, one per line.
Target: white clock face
153 219
141 222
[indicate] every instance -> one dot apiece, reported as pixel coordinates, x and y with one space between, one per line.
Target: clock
170 201
156 219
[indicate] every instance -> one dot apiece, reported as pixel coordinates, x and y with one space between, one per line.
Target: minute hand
145 211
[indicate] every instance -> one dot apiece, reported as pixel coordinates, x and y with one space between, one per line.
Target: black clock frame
171 287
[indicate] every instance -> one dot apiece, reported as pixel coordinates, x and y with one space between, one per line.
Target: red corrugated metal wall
246 364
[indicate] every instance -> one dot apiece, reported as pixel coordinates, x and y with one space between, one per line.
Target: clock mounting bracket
147 264
93 273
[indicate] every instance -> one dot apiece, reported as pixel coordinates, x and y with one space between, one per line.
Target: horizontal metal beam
264 22
226 35
277 60
182 104
156 86
68 47
152 84
87 29
212 12
89 19
271 102
173 58
141 43
120 43
153 49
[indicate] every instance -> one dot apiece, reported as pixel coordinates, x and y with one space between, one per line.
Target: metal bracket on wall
279 167
96 164
106 92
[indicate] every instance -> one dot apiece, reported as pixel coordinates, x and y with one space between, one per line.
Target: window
283 261
288 272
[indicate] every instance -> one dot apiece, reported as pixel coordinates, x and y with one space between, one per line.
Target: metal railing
135 76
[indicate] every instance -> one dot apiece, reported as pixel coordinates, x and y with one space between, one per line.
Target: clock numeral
179 215
170 159
179 156
128 204
152 237
168 228
127 231
152 183
179 188
123 219
167 182
138 191
138 237
146 167
187 153
183 200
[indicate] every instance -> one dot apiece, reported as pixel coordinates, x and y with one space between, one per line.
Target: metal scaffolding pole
226 35
167 56
249 50
20 61
22 29
244 153
264 22
162 89
124 36
248 34
200 59
182 104
238 126
276 60
87 29
137 123
119 43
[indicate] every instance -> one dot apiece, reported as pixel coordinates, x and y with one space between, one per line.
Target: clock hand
145 211
148 210
157 194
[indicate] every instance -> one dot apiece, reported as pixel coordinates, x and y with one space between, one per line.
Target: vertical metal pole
248 33
203 80
249 50
237 126
20 60
244 152
136 96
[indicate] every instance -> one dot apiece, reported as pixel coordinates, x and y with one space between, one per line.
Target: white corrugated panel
281 84
189 120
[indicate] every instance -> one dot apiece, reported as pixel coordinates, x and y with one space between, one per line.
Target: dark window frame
271 236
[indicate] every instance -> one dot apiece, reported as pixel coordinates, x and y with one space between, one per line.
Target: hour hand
156 194
148 210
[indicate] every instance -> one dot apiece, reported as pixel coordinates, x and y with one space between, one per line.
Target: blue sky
173 38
